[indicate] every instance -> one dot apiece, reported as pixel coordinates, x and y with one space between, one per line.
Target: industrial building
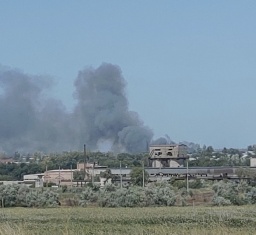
172 155
166 162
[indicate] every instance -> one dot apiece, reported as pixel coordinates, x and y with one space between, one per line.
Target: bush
160 195
71 202
220 201
196 184
251 196
42 199
49 184
21 195
88 196
131 197
94 187
234 192
137 176
64 188
179 184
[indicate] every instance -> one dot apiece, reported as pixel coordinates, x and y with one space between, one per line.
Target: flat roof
166 145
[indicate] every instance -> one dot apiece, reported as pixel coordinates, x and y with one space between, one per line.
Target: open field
160 220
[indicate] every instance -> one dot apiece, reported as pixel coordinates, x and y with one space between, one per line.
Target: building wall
65 177
33 177
37 179
175 163
168 151
253 162
172 155
58 176
157 163
91 169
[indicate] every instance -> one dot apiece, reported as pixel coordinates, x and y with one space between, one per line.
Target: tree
108 175
209 150
137 176
78 175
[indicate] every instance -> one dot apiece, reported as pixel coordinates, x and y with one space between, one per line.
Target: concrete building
91 169
59 177
37 179
172 155
66 176
253 162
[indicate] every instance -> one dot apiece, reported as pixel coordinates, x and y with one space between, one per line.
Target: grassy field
130 221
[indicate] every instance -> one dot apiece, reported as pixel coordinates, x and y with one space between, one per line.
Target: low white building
37 179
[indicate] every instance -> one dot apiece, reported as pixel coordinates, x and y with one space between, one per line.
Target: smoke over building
30 122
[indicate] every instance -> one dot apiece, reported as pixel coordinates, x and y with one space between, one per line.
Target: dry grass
130 221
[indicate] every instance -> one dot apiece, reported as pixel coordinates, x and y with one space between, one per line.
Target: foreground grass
130 221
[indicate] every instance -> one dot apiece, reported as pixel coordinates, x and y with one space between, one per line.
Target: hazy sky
190 66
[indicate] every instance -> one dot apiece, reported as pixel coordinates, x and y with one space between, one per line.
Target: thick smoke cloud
30 122
27 121
163 140
102 111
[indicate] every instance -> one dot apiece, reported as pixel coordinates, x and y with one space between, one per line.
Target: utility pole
59 176
84 162
143 175
47 176
93 172
121 177
187 175
71 176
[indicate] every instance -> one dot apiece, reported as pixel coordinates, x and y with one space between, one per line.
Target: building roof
166 145
6 160
62 170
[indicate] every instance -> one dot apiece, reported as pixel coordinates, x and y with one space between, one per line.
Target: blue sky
190 66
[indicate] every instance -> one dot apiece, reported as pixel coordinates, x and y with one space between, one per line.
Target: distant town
161 162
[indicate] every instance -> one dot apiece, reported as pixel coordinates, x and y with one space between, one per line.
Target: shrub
161 195
71 202
196 184
94 187
131 197
179 184
88 196
220 201
46 198
137 176
251 196
21 195
234 192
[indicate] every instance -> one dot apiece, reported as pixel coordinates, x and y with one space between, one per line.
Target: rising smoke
30 122
163 141
102 111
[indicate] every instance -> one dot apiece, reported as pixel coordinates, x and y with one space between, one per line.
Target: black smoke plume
31 122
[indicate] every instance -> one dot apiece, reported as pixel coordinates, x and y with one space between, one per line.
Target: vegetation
137 176
20 195
206 156
163 193
129 221
111 196
13 171
227 193
138 210
38 162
